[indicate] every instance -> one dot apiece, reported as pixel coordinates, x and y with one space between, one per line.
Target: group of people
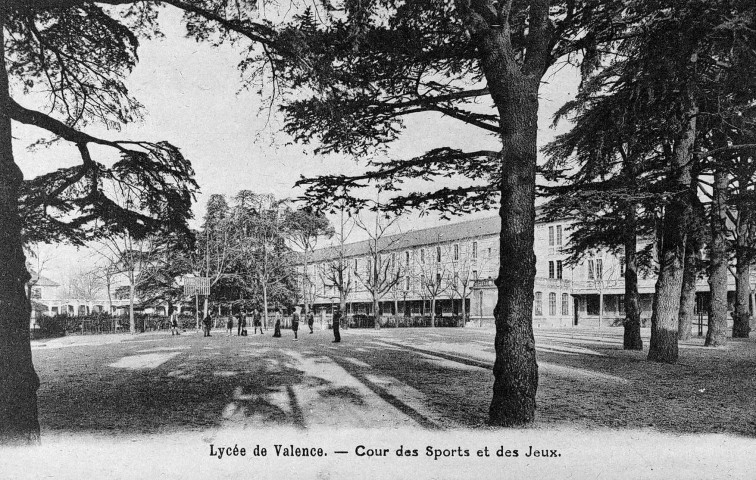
241 323
256 317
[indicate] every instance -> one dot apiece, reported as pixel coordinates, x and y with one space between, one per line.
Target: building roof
446 233
42 281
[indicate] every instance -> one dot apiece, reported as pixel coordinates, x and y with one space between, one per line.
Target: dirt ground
433 379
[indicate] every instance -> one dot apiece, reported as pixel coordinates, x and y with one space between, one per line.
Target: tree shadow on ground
239 382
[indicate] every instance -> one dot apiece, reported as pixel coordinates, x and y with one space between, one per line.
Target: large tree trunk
666 305
632 339
18 380
688 294
741 325
515 369
717 328
693 245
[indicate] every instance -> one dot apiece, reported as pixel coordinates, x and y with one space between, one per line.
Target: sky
193 98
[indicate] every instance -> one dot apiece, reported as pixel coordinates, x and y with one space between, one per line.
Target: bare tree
380 276
460 281
86 285
336 274
435 279
39 258
135 259
602 279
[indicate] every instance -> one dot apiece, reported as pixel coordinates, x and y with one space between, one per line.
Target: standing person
207 322
295 322
174 324
230 324
277 331
336 324
256 318
310 320
241 322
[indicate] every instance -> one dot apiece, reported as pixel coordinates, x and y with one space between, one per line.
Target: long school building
453 267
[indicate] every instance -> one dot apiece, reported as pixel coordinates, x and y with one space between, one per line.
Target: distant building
468 251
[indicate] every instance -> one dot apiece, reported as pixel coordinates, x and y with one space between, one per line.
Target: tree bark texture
741 325
688 293
18 381
632 338
693 245
516 97
666 305
717 328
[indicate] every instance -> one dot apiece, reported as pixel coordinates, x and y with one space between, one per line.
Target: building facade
452 268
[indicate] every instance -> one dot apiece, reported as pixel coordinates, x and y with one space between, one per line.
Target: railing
397 321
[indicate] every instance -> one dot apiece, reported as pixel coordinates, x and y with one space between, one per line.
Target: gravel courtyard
398 378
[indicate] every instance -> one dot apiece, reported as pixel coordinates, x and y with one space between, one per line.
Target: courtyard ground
428 378
393 387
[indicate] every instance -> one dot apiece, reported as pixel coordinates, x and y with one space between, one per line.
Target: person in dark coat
277 331
174 324
295 323
207 323
241 323
257 319
310 320
336 324
230 325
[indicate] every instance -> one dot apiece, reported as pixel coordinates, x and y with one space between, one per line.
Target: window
393 261
551 269
559 269
622 266
475 274
456 252
551 236
438 279
599 269
559 235
475 250
565 304
36 293
592 304
552 304
456 279
422 281
407 258
538 304
406 283
438 254
591 275
422 255
369 267
355 265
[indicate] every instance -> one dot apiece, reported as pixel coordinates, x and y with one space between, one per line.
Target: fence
398 321
60 325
